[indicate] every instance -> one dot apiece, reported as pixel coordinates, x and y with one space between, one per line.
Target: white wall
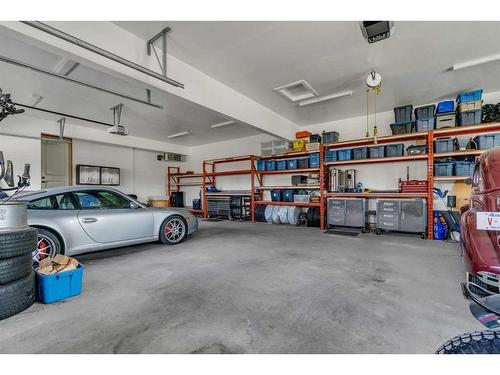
376 176
141 173
21 151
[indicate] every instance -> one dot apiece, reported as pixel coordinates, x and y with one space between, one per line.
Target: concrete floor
243 288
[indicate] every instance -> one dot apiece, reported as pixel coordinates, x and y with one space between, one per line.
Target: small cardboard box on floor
58 278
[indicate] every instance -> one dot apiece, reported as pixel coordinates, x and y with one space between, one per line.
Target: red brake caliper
42 246
168 229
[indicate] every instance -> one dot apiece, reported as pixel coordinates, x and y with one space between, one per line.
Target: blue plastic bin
291 164
443 169
314 160
425 125
470 96
464 168
344 154
53 288
469 117
270 165
395 150
445 107
261 165
444 145
280 165
276 195
486 141
287 195
376 152
360 153
330 155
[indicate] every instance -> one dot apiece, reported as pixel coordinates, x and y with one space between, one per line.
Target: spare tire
18 242
17 296
12 269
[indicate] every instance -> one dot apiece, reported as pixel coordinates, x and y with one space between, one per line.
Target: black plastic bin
360 153
376 152
394 150
403 113
314 138
469 117
425 112
330 137
403 128
416 150
303 163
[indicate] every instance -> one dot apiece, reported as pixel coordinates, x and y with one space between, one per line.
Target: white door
56 165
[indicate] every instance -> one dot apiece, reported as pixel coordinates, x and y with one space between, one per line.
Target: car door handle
89 220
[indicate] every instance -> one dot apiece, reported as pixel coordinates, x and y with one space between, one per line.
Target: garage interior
286 141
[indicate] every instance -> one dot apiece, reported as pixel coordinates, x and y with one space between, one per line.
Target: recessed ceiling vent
297 91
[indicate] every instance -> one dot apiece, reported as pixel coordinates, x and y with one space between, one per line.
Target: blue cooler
60 286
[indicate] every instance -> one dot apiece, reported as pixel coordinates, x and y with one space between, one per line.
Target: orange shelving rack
258 188
177 179
213 173
209 170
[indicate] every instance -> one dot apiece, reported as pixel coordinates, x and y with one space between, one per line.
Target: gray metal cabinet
413 216
388 214
402 215
347 212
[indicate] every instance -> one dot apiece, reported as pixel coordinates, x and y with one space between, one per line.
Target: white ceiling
178 115
255 57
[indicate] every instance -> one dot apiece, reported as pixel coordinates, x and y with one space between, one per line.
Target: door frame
69 141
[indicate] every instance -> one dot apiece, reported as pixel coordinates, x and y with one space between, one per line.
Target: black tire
17 243
12 269
163 236
17 296
53 244
485 342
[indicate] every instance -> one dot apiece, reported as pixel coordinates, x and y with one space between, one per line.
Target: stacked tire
17 279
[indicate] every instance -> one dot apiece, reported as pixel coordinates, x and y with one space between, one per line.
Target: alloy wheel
175 230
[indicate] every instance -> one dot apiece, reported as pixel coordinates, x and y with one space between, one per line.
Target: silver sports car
76 219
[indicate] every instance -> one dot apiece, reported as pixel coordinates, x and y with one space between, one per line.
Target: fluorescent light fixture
223 124
320 99
181 134
480 61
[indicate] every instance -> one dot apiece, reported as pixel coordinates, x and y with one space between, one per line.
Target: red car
481 247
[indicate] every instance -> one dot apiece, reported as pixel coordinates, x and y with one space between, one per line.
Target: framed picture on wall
110 176
88 175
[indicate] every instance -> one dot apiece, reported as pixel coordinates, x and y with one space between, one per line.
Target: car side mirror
134 205
468 181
